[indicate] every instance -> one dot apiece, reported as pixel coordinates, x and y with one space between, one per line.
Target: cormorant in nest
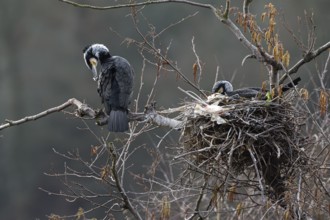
225 88
115 83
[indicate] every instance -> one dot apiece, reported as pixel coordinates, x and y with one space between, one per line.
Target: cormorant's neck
104 56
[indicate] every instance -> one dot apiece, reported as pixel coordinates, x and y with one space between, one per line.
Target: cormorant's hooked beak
220 90
95 74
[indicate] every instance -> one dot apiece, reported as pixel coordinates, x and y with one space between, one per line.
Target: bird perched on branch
115 84
226 88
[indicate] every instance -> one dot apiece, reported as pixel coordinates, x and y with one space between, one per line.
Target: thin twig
126 199
156 51
325 70
199 200
257 173
246 4
198 61
176 23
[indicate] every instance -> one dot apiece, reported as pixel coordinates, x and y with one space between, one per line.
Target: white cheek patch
86 59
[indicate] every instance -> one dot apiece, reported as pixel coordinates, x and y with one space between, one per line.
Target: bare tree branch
307 58
262 57
114 172
82 110
198 202
324 71
136 4
150 115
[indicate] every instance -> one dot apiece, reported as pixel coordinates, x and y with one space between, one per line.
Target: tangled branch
257 51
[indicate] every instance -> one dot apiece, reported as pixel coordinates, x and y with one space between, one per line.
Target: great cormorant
115 83
226 88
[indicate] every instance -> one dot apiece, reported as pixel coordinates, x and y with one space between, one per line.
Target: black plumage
226 88
115 84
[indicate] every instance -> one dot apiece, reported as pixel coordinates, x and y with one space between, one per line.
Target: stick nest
223 135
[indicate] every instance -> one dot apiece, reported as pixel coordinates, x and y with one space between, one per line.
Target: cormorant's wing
104 88
244 92
255 88
124 77
291 84
284 88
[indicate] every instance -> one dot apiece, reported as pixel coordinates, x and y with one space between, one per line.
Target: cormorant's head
222 87
93 55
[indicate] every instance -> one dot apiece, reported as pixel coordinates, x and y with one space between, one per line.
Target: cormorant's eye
93 62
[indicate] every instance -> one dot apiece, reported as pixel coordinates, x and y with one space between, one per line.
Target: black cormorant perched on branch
115 84
226 88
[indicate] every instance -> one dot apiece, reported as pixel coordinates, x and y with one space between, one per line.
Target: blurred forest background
41 66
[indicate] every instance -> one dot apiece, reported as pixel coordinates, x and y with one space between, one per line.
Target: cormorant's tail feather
291 84
118 121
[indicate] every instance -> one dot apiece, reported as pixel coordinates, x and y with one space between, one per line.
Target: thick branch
307 58
83 110
248 44
152 116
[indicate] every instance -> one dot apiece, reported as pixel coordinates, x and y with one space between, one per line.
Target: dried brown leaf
231 194
166 208
323 102
195 68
